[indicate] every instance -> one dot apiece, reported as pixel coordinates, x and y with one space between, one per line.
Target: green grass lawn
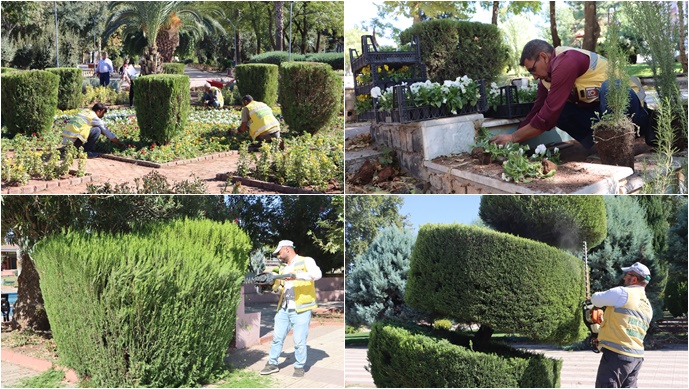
356 339
644 70
48 379
244 379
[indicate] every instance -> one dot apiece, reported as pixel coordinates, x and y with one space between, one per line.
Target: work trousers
104 78
91 141
299 323
617 370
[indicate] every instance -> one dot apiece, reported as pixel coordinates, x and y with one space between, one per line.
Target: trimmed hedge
69 92
8 70
310 96
276 57
509 283
173 68
29 101
163 103
560 221
335 60
152 308
409 357
452 48
260 81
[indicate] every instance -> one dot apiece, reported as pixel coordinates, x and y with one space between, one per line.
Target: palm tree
160 22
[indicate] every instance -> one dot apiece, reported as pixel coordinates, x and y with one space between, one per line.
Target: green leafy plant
260 81
29 101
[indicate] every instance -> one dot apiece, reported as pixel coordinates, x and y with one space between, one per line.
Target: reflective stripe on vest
624 328
304 291
261 119
79 127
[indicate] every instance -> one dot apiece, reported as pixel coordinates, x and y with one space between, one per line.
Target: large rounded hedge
452 48
509 283
162 106
560 221
29 101
69 94
410 357
153 308
173 68
260 81
310 95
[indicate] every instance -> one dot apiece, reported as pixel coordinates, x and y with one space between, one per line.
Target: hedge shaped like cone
508 283
153 308
29 101
162 106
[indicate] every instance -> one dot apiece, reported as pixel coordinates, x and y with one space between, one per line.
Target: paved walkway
664 368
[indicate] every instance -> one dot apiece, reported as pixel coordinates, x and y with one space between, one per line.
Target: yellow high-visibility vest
261 119
304 291
79 127
218 95
624 328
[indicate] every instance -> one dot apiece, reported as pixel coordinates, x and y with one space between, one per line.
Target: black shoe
269 369
298 372
253 148
92 154
649 133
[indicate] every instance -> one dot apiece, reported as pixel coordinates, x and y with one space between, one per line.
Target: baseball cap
283 243
639 269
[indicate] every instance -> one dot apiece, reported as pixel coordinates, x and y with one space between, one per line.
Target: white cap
639 269
207 85
283 243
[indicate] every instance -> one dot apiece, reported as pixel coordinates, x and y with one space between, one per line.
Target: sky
438 208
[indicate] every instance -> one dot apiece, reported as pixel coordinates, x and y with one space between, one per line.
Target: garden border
264 184
35 188
168 164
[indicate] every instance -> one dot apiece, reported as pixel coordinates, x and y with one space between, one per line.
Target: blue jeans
104 79
299 322
577 121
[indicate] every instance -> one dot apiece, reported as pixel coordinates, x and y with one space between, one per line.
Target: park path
662 368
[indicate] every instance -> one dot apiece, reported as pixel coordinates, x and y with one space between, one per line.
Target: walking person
104 69
128 73
628 315
297 299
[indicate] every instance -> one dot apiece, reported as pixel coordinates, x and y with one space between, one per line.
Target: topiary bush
29 101
173 68
156 307
260 81
335 60
69 91
8 70
505 282
163 103
560 221
411 357
310 94
452 48
275 57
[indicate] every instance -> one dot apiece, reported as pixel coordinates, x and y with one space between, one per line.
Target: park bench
675 325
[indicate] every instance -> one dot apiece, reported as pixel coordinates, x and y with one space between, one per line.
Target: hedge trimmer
592 316
264 282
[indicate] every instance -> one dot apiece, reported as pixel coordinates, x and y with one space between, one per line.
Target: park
439 98
160 291
487 291
286 55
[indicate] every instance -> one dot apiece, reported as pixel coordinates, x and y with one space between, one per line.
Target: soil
34 344
615 143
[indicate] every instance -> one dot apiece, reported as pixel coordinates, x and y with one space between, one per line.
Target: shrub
173 68
162 106
676 295
335 60
260 81
452 48
560 221
310 94
8 70
408 357
275 57
156 307
442 324
22 111
508 283
103 94
69 92
375 286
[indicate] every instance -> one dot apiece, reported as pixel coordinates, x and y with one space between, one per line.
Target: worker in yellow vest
572 90
85 128
259 120
213 96
297 299
628 315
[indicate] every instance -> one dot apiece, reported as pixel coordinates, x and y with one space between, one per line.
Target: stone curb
167 164
36 364
28 189
264 185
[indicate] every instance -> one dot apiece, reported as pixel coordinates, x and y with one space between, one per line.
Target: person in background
128 73
104 69
212 97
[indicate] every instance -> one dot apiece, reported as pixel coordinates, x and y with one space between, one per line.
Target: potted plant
614 132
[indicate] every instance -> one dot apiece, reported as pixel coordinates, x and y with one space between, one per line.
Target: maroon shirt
564 69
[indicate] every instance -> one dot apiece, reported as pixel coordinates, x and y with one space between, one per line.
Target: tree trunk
151 62
29 311
271 31
496 8
318 41
682 36
483 334
167 42
279 22
591 26
304 32
553 26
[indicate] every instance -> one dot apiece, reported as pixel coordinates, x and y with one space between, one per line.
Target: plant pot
615 143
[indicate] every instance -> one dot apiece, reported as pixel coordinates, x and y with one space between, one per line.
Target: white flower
375 92
493 85
504 177
556 150
540 149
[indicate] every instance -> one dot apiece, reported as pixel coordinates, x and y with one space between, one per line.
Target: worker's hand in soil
502 139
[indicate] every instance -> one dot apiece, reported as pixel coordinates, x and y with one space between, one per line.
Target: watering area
432 150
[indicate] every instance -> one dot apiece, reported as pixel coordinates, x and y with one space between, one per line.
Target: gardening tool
593 316
265 282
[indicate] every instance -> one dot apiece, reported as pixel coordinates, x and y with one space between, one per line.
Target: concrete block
247 326
471 189
458 188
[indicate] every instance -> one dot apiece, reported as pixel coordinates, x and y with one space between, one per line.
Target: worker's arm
105 131
521 135
245 120
312 273
615 297
242 127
